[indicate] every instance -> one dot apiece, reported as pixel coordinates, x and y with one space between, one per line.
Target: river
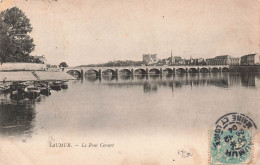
129 106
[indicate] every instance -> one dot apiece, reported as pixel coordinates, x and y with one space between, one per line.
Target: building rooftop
222 56
249 55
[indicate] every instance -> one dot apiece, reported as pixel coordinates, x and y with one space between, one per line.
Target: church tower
171 57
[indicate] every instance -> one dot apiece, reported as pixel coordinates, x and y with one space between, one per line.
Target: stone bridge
132 70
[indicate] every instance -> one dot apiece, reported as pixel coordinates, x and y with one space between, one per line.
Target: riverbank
244 68
34 76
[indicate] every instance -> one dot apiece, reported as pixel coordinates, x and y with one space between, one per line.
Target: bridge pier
147 71
117 72
132 72
81 73
99 73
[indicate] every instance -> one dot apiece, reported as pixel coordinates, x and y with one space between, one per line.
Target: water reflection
16 117
149 87
17 113
248 80
151 82
92 78
125 77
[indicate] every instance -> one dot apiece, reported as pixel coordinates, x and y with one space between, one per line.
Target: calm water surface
128 105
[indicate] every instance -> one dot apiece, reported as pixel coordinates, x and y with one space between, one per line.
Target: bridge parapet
149 67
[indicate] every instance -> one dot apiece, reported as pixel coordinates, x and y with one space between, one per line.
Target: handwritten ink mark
184 153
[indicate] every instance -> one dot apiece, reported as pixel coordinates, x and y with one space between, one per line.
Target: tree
63 64
15 42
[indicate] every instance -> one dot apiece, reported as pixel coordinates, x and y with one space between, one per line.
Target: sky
95 31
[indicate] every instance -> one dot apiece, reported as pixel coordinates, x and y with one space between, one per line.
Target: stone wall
22 66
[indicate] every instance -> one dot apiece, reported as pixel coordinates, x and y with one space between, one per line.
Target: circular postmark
231 141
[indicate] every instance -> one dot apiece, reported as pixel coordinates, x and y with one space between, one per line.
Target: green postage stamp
232 140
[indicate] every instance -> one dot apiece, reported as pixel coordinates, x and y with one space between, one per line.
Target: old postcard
129 82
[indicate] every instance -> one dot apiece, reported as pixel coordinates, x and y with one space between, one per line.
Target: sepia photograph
129 82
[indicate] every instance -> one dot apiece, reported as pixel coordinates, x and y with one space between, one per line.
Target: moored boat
17 94
44 88
55 85
32 92
4 88
64 85
18 85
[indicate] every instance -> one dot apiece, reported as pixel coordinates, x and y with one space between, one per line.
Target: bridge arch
180 70
128 71
155 70
215 69
140 70
169 70
106 71
204 70
225 69
75 73
193 70
90 71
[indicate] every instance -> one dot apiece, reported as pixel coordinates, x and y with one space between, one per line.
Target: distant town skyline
92 32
